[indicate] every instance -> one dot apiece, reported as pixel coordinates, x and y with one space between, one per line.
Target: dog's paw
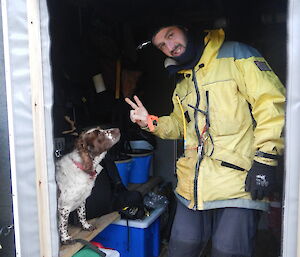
88 227
67 241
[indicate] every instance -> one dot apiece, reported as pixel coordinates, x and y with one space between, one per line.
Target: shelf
76 232
145 187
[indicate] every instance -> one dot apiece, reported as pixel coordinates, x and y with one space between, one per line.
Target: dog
76 173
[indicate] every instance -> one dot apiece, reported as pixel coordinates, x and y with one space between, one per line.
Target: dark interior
89 37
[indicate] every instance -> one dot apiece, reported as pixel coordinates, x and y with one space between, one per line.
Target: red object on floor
99 245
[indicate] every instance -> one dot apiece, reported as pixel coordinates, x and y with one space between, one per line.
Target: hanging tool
118 79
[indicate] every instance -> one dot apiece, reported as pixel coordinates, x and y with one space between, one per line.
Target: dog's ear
82 147
90 137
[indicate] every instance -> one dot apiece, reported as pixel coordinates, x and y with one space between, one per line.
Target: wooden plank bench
146 187
76 232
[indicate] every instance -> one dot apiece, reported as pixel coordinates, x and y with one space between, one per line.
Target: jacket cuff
266 158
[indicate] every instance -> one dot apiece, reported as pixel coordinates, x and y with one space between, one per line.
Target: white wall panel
291 222
29 101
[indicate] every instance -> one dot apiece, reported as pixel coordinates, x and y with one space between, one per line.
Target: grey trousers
231 230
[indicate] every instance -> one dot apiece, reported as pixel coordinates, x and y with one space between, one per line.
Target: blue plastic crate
140 169
124 167
141 238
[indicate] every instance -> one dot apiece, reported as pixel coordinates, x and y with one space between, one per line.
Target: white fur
74 184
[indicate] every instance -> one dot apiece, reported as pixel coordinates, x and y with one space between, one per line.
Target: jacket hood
212 43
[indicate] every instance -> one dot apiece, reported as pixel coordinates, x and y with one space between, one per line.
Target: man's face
171 41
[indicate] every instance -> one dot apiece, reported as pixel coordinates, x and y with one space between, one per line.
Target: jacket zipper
200 142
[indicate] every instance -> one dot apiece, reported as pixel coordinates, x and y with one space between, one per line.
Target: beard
190 57
176 47
190 51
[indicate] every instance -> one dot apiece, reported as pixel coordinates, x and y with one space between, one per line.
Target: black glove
260 181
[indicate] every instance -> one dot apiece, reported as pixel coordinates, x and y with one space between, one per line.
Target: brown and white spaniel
76 173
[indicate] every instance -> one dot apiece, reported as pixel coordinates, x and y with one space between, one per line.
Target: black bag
109 194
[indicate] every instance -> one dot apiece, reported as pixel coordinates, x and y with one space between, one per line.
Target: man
229 108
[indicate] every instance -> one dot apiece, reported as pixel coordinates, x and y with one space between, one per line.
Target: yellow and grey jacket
230 110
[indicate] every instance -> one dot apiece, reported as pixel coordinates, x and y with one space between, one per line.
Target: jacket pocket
228 110
185 169
231 166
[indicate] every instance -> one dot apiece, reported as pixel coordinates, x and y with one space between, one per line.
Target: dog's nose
115 132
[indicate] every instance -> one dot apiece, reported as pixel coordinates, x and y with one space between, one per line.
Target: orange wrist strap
151 121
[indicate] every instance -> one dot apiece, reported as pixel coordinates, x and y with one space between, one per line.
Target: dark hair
155 28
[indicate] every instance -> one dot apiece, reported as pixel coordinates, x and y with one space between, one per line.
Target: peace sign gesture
139 113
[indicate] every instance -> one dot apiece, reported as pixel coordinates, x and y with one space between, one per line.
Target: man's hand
139 113
260 181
